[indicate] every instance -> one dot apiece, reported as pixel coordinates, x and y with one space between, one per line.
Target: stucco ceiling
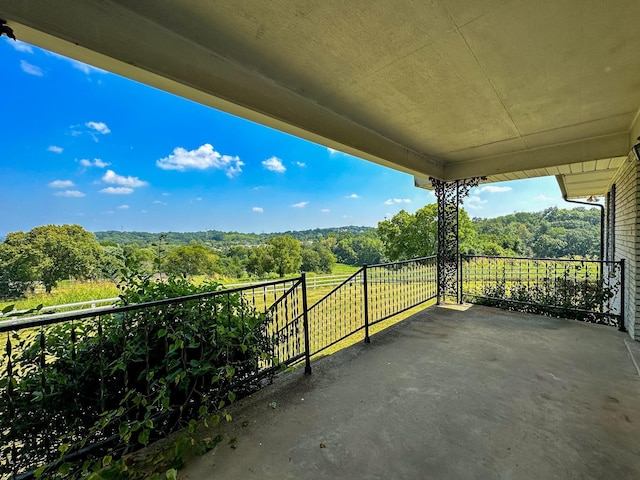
444 88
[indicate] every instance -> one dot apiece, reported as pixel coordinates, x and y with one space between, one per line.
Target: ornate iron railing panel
588 290
450 196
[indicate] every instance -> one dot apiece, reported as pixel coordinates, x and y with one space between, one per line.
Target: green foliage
190 260
281 254
48 253
407 236
357 250
551 233
579 299
286 253
218 239
133 376
17 265
316 257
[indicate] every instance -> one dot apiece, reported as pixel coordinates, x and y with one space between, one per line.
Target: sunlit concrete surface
451 393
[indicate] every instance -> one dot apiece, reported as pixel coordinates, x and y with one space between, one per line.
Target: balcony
449 390
451 393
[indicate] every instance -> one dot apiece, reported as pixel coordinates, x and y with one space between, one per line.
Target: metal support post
366 304
305 321
450 195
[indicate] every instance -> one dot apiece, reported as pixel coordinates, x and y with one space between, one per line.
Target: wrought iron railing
45 362
588 290
372 294
84 364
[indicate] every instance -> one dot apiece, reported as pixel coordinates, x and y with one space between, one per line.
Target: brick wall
626 243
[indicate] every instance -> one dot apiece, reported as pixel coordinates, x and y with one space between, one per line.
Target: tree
286 254
368 249
51 253
64 251
407 236
344 251
190 260
316 257
260 261
112 262
17 265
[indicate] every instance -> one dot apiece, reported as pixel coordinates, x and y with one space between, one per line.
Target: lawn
71 291
66 292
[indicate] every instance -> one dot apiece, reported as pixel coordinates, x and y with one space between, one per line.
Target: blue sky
83 146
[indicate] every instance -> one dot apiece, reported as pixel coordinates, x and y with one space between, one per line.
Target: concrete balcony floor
451 393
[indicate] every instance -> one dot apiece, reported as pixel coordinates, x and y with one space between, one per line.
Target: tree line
48 254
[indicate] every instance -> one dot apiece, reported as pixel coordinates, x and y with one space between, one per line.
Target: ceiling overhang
448 89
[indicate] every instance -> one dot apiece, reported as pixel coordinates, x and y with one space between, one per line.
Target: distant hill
216 238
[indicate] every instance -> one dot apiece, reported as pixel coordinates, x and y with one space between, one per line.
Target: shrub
557 297
126 379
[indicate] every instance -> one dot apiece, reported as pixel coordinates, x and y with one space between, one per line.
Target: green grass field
66 292
76 291
342 269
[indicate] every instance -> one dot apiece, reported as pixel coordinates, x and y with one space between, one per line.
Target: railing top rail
68 305
44 320
497 257
316 278
401 262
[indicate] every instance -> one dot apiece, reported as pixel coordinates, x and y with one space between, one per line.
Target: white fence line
312 282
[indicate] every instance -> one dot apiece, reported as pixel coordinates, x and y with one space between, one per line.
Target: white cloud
69 193
117 190
543 198
301 164
202 158
332 151
257 209
112 177
61 184
21 46
474 202
393 201
31 69
353 195
83 67
123 207
99 127
165 194
300 204
274 164
95 163
325 210
493 189
55 149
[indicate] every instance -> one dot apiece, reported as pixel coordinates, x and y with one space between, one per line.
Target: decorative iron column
450 195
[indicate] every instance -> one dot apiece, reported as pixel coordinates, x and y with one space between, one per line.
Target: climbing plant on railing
142 374
557 297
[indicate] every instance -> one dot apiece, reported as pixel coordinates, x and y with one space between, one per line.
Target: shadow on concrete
450 393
